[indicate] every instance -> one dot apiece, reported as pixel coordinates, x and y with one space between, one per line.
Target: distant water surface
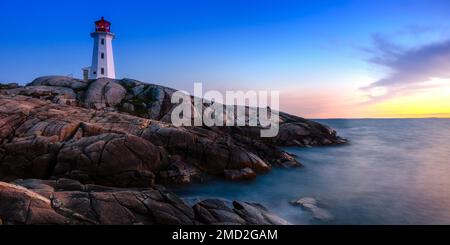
394 171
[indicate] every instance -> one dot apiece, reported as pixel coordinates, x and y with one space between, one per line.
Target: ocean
393 172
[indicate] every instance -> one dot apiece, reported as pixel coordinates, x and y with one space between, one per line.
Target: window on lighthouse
103 41
103 71
103 55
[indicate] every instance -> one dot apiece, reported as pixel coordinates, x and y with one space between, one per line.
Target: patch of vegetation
127 87
139 105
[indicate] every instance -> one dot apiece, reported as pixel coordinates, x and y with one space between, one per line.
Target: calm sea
394 171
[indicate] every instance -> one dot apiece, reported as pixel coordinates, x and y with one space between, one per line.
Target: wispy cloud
409 69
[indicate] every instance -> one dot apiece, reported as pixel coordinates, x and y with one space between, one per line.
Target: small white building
103 56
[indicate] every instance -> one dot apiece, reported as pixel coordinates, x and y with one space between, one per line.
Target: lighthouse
102 57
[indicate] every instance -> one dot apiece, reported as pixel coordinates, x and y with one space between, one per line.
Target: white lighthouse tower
103 57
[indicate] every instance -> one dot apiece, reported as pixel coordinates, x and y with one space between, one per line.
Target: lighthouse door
85 75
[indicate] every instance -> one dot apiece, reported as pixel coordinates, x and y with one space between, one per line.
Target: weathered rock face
40 139
66 201
111 159
154 102
21 206
44 133
117 133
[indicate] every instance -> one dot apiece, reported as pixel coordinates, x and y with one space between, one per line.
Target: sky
328 58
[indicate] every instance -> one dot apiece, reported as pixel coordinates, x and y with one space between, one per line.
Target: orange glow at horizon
433 101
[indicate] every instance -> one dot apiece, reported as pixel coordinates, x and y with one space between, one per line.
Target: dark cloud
409 69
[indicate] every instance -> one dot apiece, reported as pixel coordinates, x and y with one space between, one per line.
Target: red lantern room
102 25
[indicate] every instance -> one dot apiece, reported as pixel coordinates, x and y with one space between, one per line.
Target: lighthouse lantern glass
102 26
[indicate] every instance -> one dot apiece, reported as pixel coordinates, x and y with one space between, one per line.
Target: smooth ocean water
394 171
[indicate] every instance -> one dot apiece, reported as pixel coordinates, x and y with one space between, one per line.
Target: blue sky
291 46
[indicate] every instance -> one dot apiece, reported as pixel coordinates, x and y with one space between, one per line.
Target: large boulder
104 93
59 81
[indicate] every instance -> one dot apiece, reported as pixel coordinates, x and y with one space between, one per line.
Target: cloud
410 69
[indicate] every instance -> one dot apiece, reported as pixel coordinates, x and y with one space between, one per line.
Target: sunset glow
430 103
343 59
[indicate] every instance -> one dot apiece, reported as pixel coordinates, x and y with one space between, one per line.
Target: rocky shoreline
68 202
111 139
